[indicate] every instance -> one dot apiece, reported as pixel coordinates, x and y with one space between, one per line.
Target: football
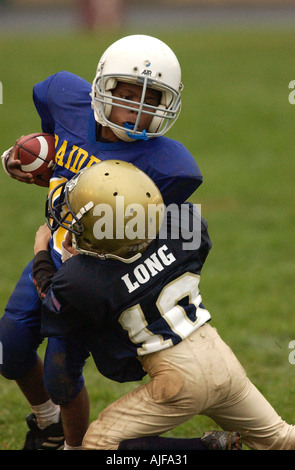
37 155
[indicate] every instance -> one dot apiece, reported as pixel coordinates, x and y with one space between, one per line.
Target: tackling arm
43 266
43 271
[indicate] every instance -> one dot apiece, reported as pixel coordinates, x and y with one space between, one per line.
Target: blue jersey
64 104
130 310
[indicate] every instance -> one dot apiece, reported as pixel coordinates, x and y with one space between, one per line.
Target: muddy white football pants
199 376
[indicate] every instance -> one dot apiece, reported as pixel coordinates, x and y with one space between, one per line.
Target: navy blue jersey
129 310
64 105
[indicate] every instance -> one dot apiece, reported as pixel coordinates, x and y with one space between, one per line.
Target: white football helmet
141 60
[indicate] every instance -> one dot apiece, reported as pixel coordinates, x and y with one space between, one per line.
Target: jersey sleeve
174 170
65 300
60 101
40 98
54 319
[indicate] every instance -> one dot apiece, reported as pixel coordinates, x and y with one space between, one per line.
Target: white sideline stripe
42 154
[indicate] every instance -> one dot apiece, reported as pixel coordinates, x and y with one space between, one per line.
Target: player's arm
176 174
44 271
41 93
11 164
188 179
43 266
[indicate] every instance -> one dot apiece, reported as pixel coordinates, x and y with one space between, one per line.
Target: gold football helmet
113 209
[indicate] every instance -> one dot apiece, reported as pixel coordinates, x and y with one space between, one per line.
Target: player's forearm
43 272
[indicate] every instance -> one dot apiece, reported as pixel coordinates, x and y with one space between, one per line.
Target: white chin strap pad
110 84
122 134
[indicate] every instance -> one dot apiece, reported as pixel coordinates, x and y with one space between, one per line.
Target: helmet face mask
151 64
112 209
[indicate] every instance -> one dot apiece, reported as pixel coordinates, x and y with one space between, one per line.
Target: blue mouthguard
142 136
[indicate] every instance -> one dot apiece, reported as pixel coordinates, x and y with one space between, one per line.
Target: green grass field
238 123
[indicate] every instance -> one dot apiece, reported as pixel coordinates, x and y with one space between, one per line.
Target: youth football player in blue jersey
134 100
132 292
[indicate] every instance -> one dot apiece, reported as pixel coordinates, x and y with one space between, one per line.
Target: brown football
37 155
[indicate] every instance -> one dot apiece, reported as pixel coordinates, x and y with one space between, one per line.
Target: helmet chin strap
103 256
121 134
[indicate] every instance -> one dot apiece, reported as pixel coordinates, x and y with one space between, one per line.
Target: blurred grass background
238 124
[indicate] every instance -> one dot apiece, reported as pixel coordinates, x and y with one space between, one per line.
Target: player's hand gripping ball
37 155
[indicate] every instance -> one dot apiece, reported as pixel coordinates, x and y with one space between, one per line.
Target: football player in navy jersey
132 293
133 101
